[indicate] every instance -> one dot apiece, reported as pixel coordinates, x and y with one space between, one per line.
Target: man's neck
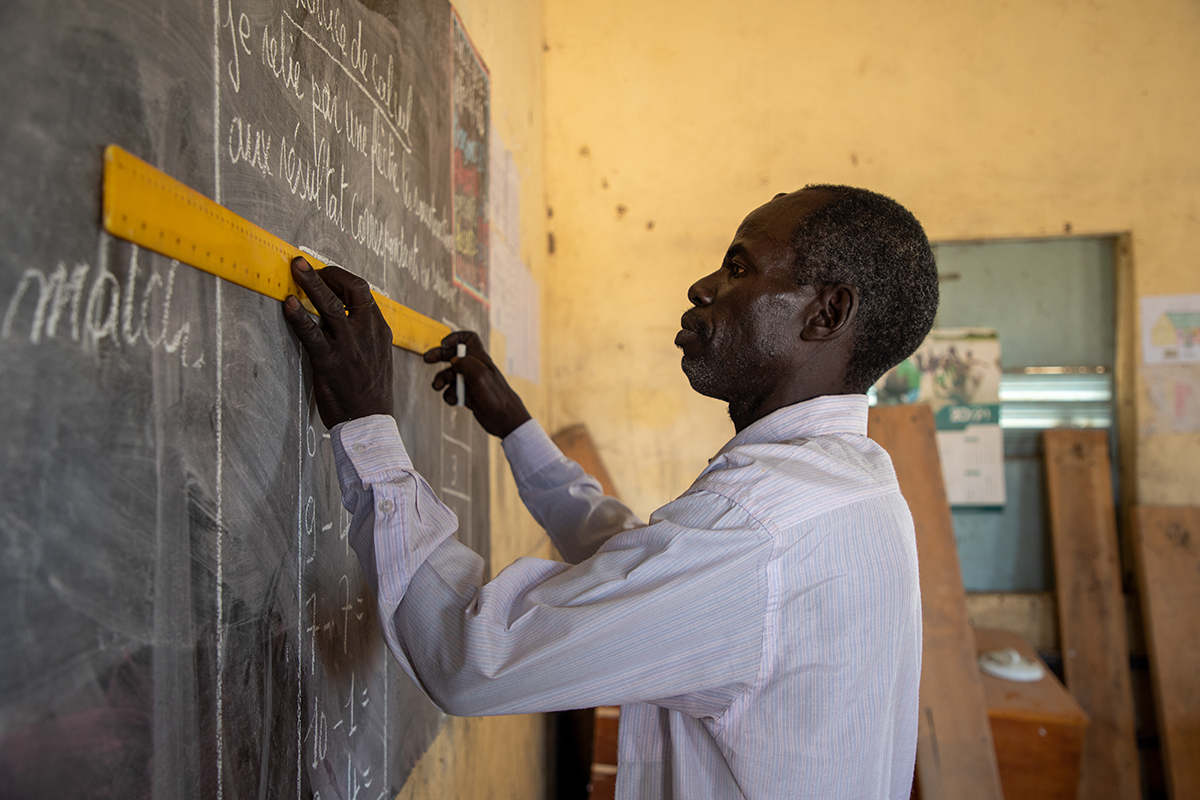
745 414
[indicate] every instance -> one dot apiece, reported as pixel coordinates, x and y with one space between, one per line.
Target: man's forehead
779 217
800 203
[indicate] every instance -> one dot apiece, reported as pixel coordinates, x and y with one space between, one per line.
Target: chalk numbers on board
340 684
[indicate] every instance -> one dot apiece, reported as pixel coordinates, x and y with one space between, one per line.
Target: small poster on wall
1171 329
1171 354
957 372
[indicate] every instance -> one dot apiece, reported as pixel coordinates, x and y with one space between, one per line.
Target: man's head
821 291
873 243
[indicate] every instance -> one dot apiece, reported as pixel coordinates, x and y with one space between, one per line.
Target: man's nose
701 292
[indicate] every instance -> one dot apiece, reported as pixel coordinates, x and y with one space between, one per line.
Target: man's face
739 338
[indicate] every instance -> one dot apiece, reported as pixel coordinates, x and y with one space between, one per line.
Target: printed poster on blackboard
957 372
471 87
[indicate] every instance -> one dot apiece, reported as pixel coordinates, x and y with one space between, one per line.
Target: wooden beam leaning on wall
955 755
1168 560
1091 608
577 445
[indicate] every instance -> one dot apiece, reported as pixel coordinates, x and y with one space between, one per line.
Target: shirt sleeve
671 608
564 499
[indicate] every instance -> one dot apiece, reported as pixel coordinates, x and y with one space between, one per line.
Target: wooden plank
1168 559
577 445
1038 727
955 757
1091 608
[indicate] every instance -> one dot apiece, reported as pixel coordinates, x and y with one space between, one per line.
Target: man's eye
736 269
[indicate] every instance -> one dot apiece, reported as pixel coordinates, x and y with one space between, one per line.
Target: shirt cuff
372 447
530 450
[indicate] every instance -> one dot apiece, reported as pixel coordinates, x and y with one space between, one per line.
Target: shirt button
386 506
359 447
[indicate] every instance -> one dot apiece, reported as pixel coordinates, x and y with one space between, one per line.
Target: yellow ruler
152 209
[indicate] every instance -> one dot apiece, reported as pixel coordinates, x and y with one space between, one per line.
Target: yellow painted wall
504 757
644 131
668 121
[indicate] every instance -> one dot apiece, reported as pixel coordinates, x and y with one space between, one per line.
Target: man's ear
830 312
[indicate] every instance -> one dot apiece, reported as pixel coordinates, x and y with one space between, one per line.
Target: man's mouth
685 337
693 329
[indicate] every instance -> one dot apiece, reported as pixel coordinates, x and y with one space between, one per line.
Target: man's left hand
350 348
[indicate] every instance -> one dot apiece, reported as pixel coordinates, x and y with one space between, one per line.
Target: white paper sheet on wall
504 192
515 299
516 311
973 464
1174 394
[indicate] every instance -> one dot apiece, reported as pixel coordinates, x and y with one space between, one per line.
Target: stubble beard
742 379
705 375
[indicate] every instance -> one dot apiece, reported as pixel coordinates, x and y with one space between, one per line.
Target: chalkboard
182 615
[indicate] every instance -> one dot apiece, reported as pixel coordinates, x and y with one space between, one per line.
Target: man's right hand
496 406
349 345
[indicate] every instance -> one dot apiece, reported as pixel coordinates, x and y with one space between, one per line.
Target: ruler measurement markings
140 202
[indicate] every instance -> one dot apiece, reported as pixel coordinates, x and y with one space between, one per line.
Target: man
762 631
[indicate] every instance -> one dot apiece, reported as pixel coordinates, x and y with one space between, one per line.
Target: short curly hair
873 243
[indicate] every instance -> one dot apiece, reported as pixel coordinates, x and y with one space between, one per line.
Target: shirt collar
838 413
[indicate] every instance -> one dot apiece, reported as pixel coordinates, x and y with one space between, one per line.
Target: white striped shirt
762 633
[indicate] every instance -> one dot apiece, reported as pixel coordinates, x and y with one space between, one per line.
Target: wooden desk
1038 727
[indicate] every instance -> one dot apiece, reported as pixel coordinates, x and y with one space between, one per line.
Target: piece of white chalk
460 390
